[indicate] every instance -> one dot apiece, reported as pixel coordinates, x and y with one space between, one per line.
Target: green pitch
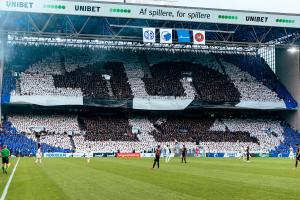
114 179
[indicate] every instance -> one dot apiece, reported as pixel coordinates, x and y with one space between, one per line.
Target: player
168 154
5 153
291 155
197 151
248 153
242 153
157 157
183 154
39 155
297 155
88 155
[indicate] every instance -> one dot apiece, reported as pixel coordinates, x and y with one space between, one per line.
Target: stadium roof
28 24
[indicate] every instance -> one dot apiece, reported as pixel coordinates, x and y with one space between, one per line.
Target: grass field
114 179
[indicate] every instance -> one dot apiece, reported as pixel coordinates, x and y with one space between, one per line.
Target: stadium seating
91 85
9 84
108 129
258 68
112 133
22 144
119 80
207 78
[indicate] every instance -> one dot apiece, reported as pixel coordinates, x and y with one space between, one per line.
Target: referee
157 157
5 153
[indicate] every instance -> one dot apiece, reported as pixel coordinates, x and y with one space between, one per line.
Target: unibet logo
87 8
19 4
256 19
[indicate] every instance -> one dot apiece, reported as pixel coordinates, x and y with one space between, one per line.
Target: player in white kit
88 155
168 154
242 153
291 155
39 155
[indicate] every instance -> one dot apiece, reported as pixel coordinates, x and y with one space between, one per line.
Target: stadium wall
288 71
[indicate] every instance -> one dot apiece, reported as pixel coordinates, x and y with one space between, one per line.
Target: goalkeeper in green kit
5 153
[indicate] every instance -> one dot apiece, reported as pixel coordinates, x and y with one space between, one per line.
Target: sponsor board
149 35
231 155
132 11
104 155
199 37
147 155
63 155
183 36
166 36
274 6
128 155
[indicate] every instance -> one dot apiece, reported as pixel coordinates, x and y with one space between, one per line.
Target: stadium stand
25 144
119 80
208 78
48 123
213 79
258 68
111 133
9 85
108 129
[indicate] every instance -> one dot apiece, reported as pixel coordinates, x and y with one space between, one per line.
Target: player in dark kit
157 157
183 154
248 153
297 155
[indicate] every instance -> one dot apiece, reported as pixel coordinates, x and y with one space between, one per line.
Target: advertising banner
155 12
55 155
274 6
149 35
64 155
128 155
166 36
183 36
147 155
104 155
199 37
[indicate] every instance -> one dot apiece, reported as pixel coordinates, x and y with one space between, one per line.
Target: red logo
199 37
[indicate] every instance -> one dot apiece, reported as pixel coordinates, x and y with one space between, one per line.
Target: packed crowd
214 87
43 84
26 144
119 81
206 77
165 80
55 124
91 84
111 133
195 129
108 129
249 87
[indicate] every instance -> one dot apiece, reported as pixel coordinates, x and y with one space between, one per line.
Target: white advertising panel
273 6
149 35
199 37
168 13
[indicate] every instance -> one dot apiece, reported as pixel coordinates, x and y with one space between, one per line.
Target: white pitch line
9 181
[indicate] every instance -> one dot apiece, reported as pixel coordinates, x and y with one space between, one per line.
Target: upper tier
151 80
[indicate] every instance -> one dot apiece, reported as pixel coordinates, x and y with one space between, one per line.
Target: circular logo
149 35
199 37
166 36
